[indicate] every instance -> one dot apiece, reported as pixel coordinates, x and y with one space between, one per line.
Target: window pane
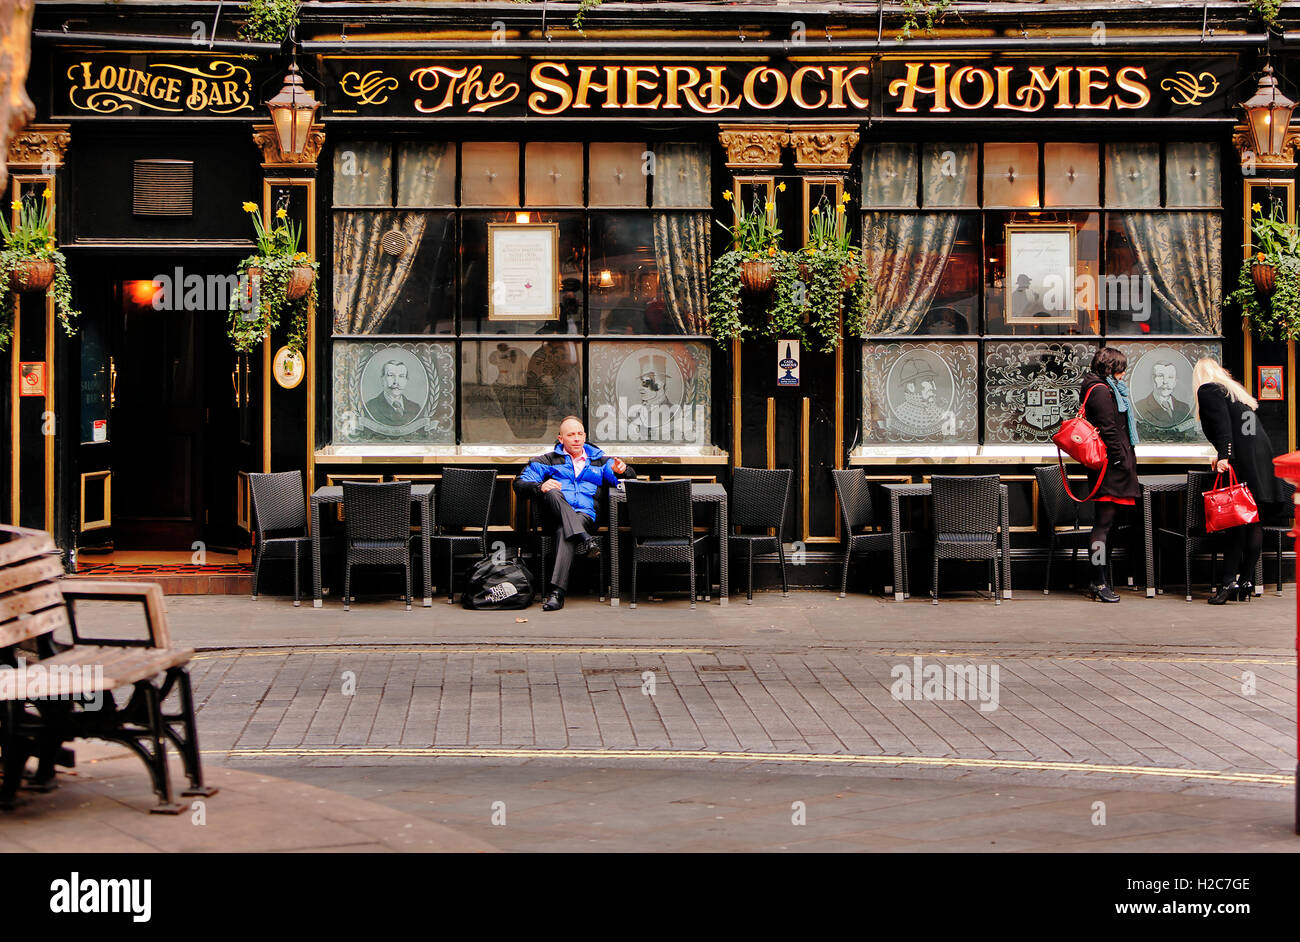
682 176
474 275
1049 291
1030 386
657 392
648 273
889 175
489 174
1164 273
394 392
553 174
1192 175
927 272
949 174
1071 175
1133 175
363 174
617 175
518 390
426 174
920 392
394 272
1011 174
1160 388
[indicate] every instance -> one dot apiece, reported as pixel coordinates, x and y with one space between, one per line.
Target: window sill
513 454
1011 454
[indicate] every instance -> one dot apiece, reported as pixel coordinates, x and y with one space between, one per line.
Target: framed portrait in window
523 271
1039 283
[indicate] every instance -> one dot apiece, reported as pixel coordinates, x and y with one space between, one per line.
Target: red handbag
1079 439
1229 506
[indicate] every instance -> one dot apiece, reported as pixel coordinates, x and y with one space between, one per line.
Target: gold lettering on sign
1087 84
218 87
763 75
634 82
910 86
537 100
796 87
842 84
1141 91
585 85
969 74
1188 89
688 88
367 88
465 84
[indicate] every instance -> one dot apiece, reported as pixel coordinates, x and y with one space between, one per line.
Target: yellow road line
473 752
442 649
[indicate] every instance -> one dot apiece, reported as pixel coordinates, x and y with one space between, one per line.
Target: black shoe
1102 592
1245 591
554 601
1226 592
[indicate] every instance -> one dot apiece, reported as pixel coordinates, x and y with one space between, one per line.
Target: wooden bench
52 692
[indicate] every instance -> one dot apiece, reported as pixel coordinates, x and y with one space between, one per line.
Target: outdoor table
714 494
899 491
421 494
1155 484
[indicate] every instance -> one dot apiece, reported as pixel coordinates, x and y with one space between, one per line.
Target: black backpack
498 587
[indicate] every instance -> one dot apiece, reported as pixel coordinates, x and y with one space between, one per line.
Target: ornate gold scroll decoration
367 89
1188 89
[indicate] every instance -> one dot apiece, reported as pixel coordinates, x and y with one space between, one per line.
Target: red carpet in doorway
176 578
170 569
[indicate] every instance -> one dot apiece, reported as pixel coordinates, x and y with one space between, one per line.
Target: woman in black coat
1107 407
1228 418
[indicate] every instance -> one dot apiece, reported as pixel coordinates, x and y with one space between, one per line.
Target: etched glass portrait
1030 387
920 392
1160 388
650 392
394 392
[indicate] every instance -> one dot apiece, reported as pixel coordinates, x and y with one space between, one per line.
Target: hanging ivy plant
28 244
1277 316
834 278
270 286
268 21
932 12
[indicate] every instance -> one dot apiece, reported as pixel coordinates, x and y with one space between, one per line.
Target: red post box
1287 467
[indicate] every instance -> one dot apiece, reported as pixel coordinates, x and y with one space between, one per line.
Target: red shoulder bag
1229 506
1079 439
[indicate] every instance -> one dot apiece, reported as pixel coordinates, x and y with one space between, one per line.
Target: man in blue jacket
564 482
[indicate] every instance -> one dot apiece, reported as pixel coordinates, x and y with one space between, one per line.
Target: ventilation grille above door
164 188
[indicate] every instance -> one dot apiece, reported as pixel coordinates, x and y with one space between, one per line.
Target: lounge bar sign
173 85
1086 86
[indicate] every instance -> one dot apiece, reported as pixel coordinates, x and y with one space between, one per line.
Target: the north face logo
502 591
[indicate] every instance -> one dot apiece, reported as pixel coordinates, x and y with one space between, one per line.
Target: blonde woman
1227 415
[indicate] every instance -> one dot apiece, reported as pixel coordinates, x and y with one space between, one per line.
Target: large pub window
422 351
1000 267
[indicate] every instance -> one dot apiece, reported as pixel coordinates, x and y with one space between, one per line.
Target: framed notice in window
523 271
1039 283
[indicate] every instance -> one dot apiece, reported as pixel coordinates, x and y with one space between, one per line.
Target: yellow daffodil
250 207
817 210
839 209
50 245
17 204
49 194
780 187
281 213
844 198
726 195
1255 207
811 250
770 206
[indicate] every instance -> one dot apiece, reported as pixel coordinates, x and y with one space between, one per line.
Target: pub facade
514 221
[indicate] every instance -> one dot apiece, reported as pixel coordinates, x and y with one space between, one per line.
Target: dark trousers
568 526
1244 546
1106 516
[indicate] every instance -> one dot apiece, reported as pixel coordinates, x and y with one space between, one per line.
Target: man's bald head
572 435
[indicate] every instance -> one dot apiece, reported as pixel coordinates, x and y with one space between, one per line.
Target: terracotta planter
300 280
1264 277
756 276
32 274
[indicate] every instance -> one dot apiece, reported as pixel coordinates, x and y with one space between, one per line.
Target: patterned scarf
1120 389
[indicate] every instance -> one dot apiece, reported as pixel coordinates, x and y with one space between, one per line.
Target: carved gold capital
823 146
268 142
1244 141
39 145
753 146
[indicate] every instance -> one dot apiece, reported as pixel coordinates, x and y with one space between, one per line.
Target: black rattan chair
858 517
758 498
1060 511
279 523
377 522
966 524
464 508
1275 533
1192 536
663 528
544 540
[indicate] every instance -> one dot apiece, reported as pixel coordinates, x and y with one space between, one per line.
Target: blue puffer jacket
580 492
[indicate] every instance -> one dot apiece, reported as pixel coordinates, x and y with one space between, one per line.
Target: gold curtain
1179 255
905 255
368 280
682 257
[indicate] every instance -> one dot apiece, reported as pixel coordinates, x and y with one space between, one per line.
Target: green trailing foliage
1269 11
268 21
261 304
926 14
1278 244
33 238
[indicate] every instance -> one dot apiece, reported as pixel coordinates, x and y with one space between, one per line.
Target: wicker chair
279 507
544 539
464 503
663 527
758 498
857 513
377 522
966 524
1192 536
1059 511
1275 534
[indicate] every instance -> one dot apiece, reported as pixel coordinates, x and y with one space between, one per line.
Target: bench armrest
149 594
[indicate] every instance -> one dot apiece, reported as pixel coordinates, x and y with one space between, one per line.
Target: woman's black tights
1245 543
1105 514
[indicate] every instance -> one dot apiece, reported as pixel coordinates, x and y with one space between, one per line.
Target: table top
699 491
916 490
1162 482
334 492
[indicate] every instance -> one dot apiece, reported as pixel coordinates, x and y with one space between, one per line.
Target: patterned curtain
1179 256
682 257
905 254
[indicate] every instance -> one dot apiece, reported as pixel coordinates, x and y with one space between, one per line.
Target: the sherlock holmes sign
558 87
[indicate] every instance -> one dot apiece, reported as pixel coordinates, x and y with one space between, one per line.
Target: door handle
112 383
